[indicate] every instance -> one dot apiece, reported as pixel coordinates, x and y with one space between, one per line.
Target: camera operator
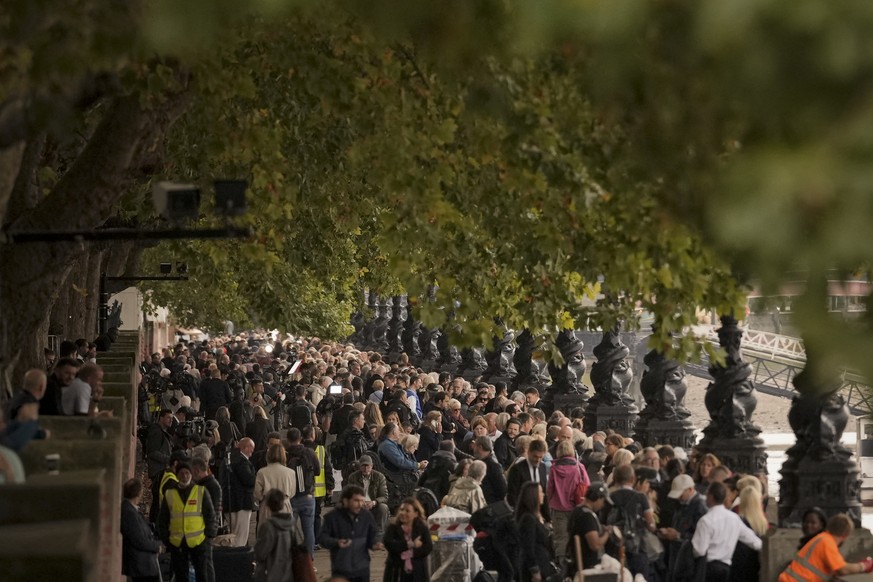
182 380
159 443
259 398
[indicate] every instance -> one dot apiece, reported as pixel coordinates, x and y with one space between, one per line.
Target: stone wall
66 526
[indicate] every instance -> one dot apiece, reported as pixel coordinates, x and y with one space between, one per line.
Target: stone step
56 550
76 428
117 377
72 494
116 368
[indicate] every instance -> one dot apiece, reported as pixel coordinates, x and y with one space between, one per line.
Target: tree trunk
10 162
59 321
31 275
30 283
92 285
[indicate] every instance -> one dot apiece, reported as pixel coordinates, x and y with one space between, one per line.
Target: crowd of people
249 434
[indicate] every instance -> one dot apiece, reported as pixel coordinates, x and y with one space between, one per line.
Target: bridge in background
776 360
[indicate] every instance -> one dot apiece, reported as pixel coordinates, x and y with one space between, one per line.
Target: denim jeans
304 506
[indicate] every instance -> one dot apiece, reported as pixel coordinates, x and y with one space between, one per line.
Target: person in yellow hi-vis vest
186 523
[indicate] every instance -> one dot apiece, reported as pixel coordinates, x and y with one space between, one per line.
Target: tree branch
407 54
25 194
127 132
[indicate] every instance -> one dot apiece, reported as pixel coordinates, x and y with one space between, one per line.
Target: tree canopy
553 164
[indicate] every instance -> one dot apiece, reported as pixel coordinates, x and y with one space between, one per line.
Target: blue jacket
395 458
354 561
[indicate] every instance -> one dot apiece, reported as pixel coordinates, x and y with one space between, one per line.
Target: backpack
301 415
338 453
427 499
484 576
300 463
628 524
497 539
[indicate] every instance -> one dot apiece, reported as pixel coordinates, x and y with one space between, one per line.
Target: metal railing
776 360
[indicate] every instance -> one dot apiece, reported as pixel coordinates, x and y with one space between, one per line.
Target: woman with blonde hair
410 444
502 419
751 510
750 481
621 457
746 561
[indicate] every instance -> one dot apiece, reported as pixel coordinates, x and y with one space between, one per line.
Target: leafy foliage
552 164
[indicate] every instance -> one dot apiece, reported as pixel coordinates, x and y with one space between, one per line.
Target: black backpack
299 462
500 544
338 453
301 415
628 524
427 499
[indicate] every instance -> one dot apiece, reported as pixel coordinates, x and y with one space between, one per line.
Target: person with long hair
536 545
746 562
705 465
407 540
430 435
372 415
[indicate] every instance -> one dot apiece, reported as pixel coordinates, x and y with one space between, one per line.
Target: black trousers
717 571
200 557
638 563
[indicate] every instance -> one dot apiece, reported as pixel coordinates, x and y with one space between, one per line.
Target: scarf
406 556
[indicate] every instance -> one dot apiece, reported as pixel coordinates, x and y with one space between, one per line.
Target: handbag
652 545
301 565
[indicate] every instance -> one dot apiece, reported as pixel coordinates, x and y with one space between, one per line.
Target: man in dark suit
242 488
529 468
494 483
139 546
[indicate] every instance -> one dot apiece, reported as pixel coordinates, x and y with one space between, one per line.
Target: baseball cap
680 484
598 491
365 460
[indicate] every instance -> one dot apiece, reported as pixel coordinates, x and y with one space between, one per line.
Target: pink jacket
565 475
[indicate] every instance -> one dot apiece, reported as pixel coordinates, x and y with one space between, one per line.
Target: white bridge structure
776 359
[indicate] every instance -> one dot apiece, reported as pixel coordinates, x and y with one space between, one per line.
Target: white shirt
495 436
534 472
76 398
717 534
